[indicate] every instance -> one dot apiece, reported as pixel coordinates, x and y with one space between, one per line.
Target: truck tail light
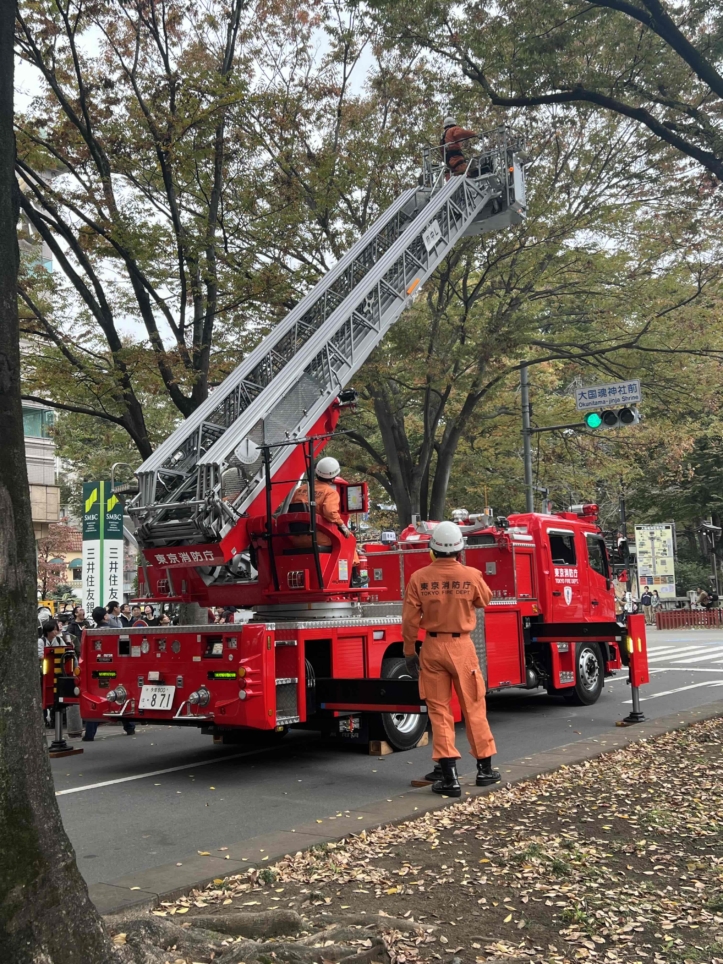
118 695
242 694
241 672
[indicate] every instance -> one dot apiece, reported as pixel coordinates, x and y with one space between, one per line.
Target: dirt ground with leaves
617 860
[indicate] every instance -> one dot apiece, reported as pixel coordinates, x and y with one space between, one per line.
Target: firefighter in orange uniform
327 501
441 598
451 143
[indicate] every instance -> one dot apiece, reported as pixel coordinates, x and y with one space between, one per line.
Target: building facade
42 466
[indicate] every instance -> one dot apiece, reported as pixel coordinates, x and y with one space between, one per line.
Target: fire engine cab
218 523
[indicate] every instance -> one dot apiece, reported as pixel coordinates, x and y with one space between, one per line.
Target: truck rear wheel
401 730
589 676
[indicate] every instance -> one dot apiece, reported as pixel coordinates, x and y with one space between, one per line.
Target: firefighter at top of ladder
442 598
327 503
451 144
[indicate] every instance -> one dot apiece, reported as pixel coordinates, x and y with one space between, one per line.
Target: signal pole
527 437
624 529
528 432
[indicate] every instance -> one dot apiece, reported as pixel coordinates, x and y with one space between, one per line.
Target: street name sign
602 396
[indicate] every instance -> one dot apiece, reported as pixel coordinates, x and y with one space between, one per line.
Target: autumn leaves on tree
194 175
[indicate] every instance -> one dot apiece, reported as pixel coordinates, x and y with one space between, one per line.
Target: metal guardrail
688 618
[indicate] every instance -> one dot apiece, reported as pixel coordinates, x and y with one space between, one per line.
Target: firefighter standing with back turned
442 598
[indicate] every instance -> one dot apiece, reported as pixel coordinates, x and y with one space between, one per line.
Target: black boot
485 774
449 784
435 774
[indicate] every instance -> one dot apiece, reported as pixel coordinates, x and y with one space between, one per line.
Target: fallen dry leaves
617 860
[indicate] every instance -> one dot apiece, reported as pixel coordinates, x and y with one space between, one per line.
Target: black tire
589 676
401 730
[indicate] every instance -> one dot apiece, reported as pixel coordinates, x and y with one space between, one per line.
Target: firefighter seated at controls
441 599
327 503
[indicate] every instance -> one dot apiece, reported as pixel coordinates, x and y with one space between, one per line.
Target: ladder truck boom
284 387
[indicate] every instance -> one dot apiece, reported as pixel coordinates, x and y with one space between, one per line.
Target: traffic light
593 419
612 418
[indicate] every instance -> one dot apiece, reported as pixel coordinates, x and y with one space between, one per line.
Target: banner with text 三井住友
102 545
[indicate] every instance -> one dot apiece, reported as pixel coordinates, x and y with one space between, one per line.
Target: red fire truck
217 524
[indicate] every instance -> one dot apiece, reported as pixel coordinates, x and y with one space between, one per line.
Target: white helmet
446 538
449 121
327 468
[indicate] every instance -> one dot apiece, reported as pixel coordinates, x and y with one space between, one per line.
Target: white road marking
697 659
157 773
686 669
691 651
700 647
701 644
680 689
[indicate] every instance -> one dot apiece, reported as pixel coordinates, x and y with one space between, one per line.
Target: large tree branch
580 94
162 145
60 343
78 409
661 23
365 444
95 300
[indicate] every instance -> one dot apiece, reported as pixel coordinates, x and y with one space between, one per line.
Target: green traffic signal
611 418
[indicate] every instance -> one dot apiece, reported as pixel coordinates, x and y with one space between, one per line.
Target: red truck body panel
551 592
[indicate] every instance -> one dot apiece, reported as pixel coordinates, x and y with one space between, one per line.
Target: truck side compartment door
505 652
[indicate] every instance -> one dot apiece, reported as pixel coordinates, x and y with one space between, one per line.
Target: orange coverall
327 502
442 598
453 141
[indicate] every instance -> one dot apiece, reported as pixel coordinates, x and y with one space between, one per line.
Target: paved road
132 803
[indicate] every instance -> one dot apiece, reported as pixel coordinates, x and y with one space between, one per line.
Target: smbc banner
102 545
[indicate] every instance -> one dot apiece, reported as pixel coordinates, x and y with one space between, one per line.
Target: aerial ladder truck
216 524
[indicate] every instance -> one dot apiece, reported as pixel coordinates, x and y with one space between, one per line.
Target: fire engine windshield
597 555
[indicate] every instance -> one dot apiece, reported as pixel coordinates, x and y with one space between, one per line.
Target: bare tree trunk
191 614
438 501
45 912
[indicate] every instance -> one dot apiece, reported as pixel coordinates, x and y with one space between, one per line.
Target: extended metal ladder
280 390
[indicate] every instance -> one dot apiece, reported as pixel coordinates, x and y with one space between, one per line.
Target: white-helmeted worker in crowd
441 598
326 499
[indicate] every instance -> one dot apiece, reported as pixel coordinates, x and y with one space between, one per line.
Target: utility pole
623 516
624 530
528 432
527 437
713 559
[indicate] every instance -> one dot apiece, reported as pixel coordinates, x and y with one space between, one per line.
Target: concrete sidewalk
170 881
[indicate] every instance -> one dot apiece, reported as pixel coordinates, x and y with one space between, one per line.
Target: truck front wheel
401 730
589 676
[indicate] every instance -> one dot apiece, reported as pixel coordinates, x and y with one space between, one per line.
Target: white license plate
156 697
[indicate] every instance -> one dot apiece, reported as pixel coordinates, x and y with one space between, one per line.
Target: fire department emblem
568 594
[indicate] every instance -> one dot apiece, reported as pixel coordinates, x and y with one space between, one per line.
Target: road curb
146 889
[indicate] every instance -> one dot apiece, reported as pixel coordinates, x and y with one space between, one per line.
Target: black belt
445 634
